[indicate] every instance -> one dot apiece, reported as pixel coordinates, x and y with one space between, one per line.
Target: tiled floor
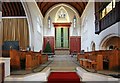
63 63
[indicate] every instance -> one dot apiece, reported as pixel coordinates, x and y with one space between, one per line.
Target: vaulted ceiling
0 6
45 6
16 8
12 9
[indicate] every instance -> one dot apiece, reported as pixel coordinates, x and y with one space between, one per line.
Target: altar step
67 69
62 52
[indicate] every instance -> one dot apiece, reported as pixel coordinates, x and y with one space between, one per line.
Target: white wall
119 29
88 30
52 13
35 21
87 27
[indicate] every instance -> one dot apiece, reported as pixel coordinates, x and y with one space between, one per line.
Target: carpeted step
63 77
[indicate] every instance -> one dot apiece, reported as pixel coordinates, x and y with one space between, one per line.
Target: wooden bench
90 61
26 59
14 60
97 59
32 61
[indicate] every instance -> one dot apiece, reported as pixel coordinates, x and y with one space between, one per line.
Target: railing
108 20
111 18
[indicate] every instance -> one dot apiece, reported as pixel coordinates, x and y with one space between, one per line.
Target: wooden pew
110 57
35 60
43 59
97 59
114 60
92 62
32 61
82 59
14 60
26 60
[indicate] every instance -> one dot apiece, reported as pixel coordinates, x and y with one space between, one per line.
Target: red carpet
61 77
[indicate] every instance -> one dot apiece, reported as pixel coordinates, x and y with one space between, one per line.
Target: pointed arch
74 21
49 22
93 46
105 39
65 5
62 15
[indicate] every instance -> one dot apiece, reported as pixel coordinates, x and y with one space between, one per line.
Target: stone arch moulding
30 21
63 4
65 11
105 39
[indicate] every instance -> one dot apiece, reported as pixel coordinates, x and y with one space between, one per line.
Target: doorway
61 38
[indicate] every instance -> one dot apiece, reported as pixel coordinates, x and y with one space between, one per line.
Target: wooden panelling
0 6
108 20
2 72
45 6
16 8
51 41
12 9
75 44
111 18
57 25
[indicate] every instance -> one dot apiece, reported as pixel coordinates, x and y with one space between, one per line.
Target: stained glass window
74 22
49 22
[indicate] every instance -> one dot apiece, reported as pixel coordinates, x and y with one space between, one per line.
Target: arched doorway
111 43
93 46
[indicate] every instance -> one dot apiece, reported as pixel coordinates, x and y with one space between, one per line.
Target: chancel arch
63 18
